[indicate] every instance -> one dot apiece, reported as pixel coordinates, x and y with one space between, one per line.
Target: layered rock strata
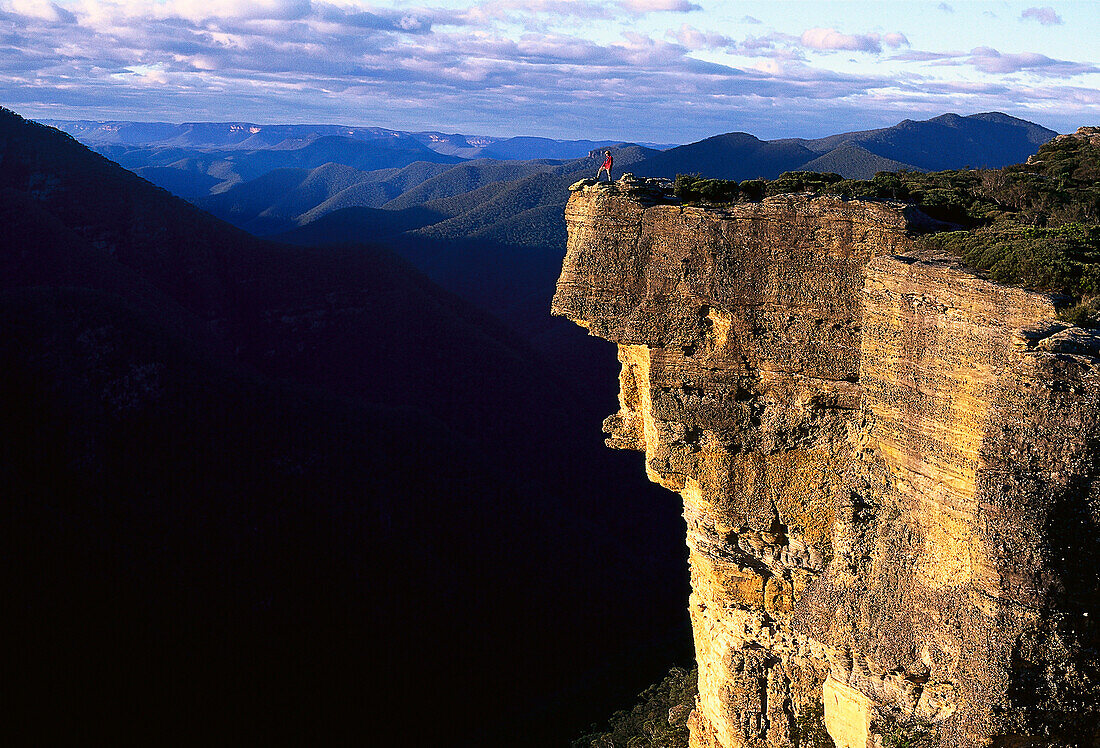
887 465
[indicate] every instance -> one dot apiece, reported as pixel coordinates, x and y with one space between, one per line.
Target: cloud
40 9
639 7
414 23
994 62
517 10
754 45
534 14
989 60
916 55
750 19
945 8
1045 16
199 10
692 38
831 40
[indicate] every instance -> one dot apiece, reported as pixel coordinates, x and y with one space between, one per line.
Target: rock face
887 463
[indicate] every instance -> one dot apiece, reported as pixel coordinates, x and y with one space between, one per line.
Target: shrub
801 181
658 720
695 189
903 732
810 727
754 189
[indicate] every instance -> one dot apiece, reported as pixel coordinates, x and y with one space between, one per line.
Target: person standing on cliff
608 162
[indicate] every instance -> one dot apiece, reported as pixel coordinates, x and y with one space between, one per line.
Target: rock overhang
841 416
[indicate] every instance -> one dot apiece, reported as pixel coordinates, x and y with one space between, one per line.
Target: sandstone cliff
887 465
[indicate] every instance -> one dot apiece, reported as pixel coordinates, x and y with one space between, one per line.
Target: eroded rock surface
887 465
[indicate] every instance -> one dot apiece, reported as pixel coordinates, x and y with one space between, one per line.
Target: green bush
801 181
903 732
810 727
658 720
695 189
754 189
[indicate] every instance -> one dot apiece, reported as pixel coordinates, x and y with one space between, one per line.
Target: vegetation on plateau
1035 225
658 720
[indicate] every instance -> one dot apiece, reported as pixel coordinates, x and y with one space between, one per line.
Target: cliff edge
887 464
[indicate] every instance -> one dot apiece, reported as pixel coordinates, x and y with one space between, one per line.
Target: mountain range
275 179
988 140
251 136
227 152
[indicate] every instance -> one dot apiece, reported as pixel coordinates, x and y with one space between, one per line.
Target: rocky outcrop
887 465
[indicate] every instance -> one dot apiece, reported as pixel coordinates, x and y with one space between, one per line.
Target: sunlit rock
887 465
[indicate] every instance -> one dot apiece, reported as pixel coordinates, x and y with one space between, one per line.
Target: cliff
887 465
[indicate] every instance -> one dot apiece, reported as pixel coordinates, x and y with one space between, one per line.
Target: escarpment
887 465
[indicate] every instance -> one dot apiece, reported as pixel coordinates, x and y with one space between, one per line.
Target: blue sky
646 70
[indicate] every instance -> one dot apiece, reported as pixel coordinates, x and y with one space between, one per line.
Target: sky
660 71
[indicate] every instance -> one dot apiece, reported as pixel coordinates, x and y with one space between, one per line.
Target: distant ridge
949 141
853 162
398 170
989 140
735 155
242 135
250 136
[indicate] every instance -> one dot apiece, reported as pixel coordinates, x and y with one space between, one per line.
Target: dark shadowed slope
185 183
252 205
296 489
535 191
354 225
235 165
283 199
376 189
468 177
272 202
